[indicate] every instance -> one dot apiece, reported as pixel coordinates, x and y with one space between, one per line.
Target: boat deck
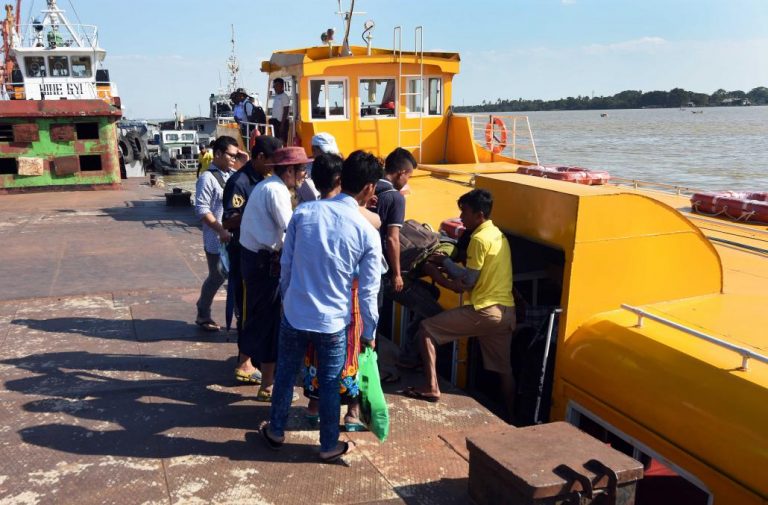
111 395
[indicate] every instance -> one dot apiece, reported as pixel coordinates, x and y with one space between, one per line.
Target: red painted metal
26 132
57 108
66 165
62 132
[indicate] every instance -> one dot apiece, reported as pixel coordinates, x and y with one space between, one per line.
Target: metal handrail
746 354
480 121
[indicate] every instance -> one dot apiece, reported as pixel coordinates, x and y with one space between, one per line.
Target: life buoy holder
494 144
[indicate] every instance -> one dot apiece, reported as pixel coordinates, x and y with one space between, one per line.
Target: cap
325 142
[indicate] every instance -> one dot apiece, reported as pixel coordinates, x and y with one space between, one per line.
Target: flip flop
389 377
208 325
354 426
312 419
332 459
265 396
273 444
249 378
411 392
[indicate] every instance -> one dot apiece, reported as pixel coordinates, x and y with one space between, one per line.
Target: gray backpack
417 242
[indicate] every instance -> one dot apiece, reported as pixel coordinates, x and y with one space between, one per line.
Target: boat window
59 66
171 137
81 66
188 137
377 97
425 95
8 166
87 131
35 66
328 99
434 103
6 132
90 162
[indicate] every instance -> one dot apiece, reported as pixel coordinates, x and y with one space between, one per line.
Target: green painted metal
47 149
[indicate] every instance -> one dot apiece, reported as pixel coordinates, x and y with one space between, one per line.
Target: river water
717 148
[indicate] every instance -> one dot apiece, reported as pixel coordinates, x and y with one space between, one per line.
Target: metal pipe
745 353
547 343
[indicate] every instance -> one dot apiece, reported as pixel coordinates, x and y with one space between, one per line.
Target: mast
233 66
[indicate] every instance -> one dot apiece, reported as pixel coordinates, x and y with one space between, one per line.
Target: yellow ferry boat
661 346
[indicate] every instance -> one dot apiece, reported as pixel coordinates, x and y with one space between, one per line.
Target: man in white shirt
262 232
281 104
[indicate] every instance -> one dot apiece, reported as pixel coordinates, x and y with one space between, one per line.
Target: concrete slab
110 393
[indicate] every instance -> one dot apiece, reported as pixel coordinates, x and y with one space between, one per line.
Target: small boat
570 174
604 114
739 206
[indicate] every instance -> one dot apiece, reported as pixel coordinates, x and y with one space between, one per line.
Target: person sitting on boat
321 143
236 194
490 313
209 207
319 263
262 232
281 104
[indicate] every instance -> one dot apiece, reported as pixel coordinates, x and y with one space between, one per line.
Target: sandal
411 392
353 424
265 396
273 444
208 325
249 378
335 457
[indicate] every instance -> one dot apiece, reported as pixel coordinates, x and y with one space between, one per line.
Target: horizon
550 49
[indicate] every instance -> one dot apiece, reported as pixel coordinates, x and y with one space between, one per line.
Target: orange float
739 206
495 145
578 175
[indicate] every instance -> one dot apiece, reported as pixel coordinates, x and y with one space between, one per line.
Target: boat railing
187 165
504 134
660 186
264 128
746 354
72 35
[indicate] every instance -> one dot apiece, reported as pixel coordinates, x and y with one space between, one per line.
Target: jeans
331 349
211 285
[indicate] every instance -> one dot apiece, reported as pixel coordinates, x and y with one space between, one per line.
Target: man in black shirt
390 206
236 194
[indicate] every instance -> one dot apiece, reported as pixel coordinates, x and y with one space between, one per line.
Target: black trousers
262 306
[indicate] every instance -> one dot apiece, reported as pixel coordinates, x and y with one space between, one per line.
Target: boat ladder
411 90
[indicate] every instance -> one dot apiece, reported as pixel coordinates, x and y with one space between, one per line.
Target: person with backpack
245 111
490 312
209 208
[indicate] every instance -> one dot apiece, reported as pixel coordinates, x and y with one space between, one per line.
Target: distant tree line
629 99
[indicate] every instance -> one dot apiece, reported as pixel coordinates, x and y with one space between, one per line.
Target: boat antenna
233 66
346 16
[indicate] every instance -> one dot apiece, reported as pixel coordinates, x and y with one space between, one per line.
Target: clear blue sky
162 52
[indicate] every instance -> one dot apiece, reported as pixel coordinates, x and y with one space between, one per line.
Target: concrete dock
110 393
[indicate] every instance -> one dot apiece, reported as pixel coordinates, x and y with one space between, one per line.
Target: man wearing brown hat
262 232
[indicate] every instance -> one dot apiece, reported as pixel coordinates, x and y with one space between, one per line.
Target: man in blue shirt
328 243
236 194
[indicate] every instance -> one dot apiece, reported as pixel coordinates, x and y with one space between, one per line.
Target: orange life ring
495 145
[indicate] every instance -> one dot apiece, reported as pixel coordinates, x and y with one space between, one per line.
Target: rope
85 33
699 211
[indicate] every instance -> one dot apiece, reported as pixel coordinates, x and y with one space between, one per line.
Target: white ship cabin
56 60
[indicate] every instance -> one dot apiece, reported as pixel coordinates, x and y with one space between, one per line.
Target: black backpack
417 242
256 114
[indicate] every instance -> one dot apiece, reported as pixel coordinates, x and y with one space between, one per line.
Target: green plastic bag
373 404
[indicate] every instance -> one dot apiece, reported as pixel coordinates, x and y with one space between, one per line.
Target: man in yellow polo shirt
490 312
